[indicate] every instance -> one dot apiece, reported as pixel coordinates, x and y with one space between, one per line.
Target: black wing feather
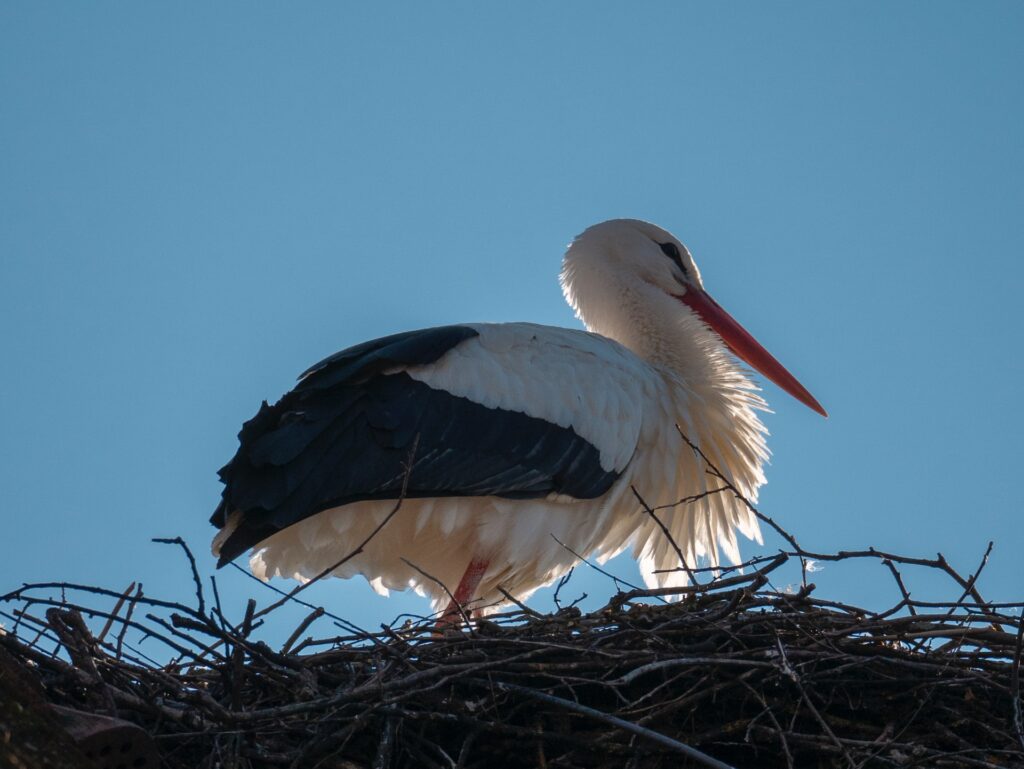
344 434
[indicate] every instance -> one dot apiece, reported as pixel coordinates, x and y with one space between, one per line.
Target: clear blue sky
198 200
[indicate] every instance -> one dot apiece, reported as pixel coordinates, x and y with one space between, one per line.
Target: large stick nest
737 673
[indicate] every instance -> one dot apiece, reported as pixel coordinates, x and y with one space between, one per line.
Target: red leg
465 592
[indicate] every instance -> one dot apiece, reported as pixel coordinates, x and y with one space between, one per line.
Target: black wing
345 434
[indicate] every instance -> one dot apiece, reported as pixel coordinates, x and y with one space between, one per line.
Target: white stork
526 437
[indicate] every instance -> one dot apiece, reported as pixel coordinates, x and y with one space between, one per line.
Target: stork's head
623 271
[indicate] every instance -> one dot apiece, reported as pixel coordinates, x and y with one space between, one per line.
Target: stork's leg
465 592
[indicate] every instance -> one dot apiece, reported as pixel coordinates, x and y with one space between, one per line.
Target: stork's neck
658 328
710 391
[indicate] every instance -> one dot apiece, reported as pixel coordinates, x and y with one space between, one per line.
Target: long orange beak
739 340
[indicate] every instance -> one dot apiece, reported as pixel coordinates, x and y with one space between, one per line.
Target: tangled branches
735 674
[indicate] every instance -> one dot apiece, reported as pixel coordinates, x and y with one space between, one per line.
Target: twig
562 582
115 612
755 579
668 534
899 583
312 617
522 606
200 599
617 580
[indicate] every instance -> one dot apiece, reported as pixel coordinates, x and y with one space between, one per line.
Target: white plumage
649 361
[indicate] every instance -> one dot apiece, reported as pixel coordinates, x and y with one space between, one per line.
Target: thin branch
115 612
522 606
617 580
200 598
668 534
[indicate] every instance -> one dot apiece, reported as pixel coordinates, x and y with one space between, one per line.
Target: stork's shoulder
567 377
509 344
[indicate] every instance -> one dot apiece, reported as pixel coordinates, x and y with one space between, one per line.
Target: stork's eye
671 250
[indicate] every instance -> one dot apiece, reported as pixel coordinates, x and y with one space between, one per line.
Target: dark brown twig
200 598
668 534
